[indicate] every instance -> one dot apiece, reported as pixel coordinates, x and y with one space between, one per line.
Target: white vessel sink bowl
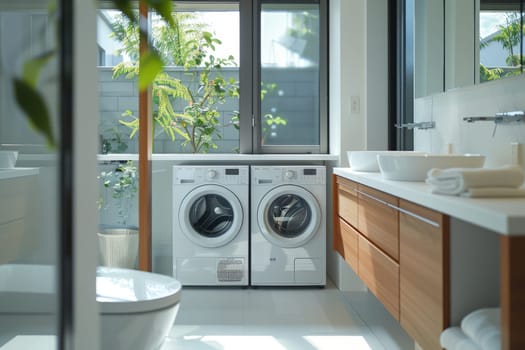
367 160
414 167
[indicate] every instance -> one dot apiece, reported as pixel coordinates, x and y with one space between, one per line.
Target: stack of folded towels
480 330
478 182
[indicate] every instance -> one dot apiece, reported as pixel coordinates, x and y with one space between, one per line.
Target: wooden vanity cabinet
369 254
424 273
401 252
345 235
346 194
348 244
378 220
380 273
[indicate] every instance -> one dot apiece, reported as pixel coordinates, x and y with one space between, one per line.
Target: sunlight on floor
240 342
334 342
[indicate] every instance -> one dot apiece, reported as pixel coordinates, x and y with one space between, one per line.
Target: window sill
221 157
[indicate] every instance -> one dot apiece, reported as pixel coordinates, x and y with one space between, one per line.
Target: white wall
448 110
376 75
358 72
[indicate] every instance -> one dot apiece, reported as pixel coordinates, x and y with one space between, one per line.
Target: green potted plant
118 241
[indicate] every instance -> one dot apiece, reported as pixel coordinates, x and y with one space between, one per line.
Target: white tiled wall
449 108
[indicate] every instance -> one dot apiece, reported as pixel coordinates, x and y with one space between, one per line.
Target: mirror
463 42
501 31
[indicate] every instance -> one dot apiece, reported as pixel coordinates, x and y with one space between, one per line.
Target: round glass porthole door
289 216
210 216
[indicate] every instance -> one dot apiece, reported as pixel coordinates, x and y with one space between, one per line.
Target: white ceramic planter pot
8 159
118 247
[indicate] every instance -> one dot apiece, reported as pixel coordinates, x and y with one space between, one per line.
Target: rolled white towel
454 338
454 181
483 327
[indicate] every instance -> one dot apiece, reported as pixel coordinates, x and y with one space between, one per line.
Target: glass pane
118 49
290 74
196 98
211 215
28 179
118 94
197 103
501 32
289 215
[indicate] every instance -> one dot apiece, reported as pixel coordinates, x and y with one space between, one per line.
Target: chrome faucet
499 118
420 125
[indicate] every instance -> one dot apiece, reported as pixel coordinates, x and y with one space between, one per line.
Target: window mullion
247 80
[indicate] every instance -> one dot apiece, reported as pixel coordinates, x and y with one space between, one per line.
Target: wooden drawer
347 200
347 243
381 275
378 221
424 273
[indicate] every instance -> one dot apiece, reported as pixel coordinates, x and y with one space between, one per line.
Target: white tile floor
280 319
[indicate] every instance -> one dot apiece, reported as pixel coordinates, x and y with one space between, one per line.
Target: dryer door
210 216
288 216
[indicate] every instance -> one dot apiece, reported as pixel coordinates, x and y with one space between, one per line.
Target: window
240 76
292 112
101 57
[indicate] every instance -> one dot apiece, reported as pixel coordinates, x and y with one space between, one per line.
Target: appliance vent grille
230 270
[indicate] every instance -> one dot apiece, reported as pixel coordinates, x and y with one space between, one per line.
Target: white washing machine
210 225
288 225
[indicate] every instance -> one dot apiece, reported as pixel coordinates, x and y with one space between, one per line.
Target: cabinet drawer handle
375 198
419 217
347 190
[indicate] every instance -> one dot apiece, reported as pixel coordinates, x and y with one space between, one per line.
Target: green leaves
150 65
126 7
164 9
29 99
32 67
35 108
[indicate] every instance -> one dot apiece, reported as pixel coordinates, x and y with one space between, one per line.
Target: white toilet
137 308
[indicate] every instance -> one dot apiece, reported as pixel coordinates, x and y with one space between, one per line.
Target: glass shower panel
29 177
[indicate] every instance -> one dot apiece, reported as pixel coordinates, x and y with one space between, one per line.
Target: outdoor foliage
202 91
509 36
122 185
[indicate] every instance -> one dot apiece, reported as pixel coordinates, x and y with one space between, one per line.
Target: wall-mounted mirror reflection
501 30
463 42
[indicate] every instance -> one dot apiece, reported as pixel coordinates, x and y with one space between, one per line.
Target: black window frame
250 75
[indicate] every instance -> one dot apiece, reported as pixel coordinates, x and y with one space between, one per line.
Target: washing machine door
210 216
288 216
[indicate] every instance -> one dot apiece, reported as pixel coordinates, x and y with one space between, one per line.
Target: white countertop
502 215
17 172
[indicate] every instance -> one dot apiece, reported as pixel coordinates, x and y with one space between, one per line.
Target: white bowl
367 160
8 159
415 167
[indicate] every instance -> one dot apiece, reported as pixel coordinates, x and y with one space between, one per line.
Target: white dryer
210 225
288 225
